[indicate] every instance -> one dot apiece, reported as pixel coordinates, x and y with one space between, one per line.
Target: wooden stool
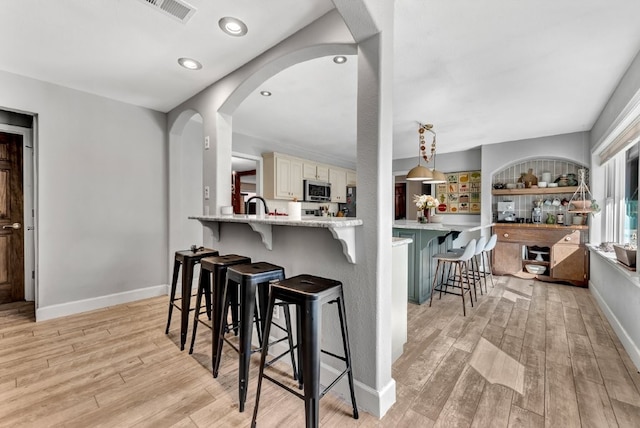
188 259
215 266
308 293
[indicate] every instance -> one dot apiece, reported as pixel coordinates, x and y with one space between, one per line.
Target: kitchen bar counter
342 228
428 239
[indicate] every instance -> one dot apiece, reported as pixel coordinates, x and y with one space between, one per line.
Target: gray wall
101 196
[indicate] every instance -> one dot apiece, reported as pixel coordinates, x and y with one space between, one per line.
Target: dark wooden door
11 218
401 201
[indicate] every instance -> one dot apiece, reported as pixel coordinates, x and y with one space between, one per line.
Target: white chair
487 268
461 274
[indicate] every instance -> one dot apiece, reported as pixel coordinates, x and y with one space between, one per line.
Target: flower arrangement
425 201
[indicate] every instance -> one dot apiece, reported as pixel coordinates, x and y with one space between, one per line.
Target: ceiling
481 72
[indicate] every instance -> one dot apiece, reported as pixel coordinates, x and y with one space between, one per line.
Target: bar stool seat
187 259
252 280
215 267
308 293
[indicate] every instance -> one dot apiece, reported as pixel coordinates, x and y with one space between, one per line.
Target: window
621 196
630 203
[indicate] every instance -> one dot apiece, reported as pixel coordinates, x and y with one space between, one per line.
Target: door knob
15 226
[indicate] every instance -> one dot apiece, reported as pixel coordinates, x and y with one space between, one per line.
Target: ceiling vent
177 9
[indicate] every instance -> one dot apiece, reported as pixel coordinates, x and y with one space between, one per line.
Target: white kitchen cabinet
338 180
314 171
282 177
351 178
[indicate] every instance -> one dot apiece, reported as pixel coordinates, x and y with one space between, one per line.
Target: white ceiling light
233 26
265 93
339 59
189 63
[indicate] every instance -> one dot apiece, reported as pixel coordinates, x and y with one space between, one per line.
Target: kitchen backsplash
524 203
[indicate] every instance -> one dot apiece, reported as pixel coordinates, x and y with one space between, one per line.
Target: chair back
469 251
491 244
480 245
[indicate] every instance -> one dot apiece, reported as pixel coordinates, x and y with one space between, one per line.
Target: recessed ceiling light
233 26
339 59
189 63
265 93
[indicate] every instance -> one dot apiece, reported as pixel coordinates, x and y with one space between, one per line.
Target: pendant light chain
427 156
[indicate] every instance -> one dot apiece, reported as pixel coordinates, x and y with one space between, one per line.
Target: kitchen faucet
246 205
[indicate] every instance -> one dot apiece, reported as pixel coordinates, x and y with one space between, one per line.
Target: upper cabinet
338 180
351 178
314 171
282 177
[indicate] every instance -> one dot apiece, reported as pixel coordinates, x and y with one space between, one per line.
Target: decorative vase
427 215
420 216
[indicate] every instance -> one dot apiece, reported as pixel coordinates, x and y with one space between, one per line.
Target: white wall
101 196
191 185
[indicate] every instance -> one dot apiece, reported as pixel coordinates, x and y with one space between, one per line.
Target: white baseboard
78 306
375 402
629 345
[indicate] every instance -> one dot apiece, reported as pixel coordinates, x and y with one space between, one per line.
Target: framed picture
460 194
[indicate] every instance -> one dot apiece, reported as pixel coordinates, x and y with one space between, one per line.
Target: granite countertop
396 241
310 221
445 227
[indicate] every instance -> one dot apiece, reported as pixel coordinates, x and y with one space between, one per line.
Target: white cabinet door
351 178
283 178
338 180
295 179
309 171
322 173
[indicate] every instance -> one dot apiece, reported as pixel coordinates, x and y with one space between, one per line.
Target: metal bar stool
215 267
308 293
252 281
459 263
188 259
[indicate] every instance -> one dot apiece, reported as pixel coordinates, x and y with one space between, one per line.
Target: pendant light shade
438 176
419 173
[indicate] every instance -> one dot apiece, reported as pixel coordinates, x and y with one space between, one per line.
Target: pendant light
419 172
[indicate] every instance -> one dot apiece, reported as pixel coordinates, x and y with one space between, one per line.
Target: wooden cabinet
314 171
568 258
282 177
338 180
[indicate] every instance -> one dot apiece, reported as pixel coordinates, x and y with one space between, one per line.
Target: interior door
11 217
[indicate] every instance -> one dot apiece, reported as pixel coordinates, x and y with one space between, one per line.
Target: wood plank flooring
115 367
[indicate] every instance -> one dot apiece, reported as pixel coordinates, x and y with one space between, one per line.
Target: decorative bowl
535 269
542 184
436 218
552 184
581 205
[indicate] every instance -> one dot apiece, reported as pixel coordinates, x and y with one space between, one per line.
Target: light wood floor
116 367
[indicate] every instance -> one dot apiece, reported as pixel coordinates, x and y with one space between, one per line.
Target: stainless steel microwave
317 191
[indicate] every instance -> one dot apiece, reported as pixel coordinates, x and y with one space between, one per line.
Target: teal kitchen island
428 239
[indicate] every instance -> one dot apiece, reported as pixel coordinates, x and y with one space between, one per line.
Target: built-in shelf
538 191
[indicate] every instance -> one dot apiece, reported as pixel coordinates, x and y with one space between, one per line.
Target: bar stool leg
247 309
203 288
347 352
311 320
263 359
174 284
187 277
287 322
221 298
